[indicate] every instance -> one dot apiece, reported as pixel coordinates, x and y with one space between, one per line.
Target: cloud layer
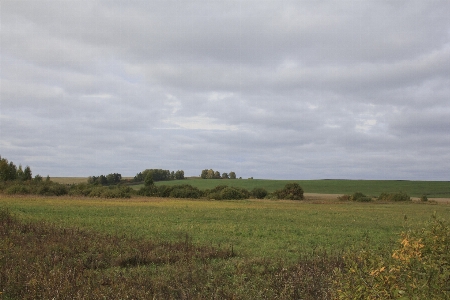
289 90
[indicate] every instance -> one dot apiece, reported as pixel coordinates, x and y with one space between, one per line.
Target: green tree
204 174
148 182
27 175
179 175
216 175
210 174
232 175
225 176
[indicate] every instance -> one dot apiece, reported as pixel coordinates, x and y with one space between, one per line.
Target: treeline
159 175
110 179
9 171
211 174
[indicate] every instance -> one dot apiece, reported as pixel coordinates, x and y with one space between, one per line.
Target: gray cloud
267 89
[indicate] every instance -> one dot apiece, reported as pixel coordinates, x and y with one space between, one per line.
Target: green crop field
282 229
436 189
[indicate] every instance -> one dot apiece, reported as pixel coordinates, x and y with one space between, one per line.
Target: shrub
259 193
185 191
291 191
395 197
223 192
424 198
18 189
416 269
360 197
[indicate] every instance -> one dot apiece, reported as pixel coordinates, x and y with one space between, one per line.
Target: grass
265 229
438 189
143 248
44 261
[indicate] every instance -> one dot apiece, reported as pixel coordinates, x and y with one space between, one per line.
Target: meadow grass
254 228
69 180
437 189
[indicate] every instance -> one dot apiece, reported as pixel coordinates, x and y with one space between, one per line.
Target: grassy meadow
159 248
254 228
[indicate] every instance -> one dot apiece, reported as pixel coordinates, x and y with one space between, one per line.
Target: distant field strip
275 229
437 189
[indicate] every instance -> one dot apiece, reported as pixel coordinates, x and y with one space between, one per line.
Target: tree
216 175
210 174
204 174
27 173
179 175
148 182
232 175
225 176
20 173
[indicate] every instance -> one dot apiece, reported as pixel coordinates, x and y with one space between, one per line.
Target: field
256 228
159 248
433 189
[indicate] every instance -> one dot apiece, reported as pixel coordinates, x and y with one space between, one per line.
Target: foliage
424 198
159 175
418 268
110 179
223 192
291 191
9 171
360 197
211 174
34 187
395 197
259 193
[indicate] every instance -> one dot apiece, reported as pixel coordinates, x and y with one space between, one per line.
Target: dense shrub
291 191
259 193
223 192
360 197
417 269
110 192
395 197
34 187
185 191
18 189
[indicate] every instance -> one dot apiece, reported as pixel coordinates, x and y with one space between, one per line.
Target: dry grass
69 180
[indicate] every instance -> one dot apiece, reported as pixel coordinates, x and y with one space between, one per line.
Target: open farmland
433 189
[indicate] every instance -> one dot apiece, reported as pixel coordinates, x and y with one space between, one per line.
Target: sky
267 89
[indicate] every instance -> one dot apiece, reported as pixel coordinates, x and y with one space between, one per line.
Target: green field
275 229
436 189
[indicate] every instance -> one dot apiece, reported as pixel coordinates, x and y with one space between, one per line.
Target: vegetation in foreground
42 261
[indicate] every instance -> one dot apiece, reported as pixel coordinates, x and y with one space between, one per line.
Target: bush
395 197
424 198
259 193
360 197
18 189
223 192
185 191
291 191
417 269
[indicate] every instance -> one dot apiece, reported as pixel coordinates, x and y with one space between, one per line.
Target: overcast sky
269 89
